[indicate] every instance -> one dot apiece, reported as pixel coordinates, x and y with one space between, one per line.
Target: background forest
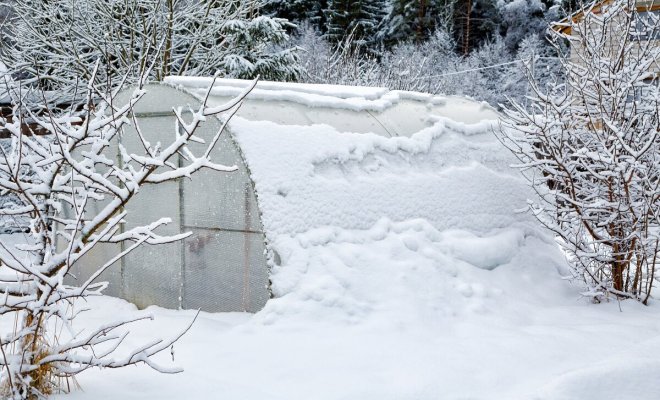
465 47
477 48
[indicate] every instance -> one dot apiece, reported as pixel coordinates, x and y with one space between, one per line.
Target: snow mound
392 232
629 379
486 252
395 274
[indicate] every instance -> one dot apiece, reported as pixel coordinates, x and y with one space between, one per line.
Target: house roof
564 25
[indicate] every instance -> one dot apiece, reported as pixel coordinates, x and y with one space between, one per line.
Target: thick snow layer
395 312
401 271
309 177
399 274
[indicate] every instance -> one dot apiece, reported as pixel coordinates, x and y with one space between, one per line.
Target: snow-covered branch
53 45
72 183
591 149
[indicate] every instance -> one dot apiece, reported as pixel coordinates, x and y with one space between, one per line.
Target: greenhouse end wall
222 265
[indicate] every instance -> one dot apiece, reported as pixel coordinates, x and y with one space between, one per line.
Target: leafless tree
55 44
590 146
72 186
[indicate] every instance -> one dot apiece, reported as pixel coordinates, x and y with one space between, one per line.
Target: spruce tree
299 11
522 19
358 19
415 20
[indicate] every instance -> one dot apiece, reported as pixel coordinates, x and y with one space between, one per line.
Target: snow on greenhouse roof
345 108
322 155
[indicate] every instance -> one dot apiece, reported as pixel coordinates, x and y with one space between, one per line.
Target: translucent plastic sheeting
90 262
291 113
220 199
152 274
348 120
233 258
282 112
464 110
404 118
222 266
347 109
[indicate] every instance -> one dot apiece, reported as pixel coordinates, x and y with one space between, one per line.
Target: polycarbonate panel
224 200
296 104
223 267
405 118
279 112
347 120
225 271
220 201
155 130
464 110
92 261
158 99
292 113
98 256
152 275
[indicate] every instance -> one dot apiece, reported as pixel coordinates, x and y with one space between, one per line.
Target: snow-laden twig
591 149
58 178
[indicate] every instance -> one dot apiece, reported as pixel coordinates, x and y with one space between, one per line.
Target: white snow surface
396 312
402 272
313 176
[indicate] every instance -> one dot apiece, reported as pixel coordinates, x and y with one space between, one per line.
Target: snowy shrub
433 66
342 63
54 43
408 66
422 67
590 147
72 186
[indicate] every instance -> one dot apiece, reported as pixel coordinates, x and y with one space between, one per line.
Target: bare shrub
590 147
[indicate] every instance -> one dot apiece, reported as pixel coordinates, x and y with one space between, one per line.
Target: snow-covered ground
402 311
401 270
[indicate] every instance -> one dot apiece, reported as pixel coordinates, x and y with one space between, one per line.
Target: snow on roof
381 206
347 157
345 108
311 177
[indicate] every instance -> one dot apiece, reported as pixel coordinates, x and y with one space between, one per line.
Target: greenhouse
308 156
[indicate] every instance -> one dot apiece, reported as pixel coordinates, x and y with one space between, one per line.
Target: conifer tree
358 19
481 23
415 20
299 11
